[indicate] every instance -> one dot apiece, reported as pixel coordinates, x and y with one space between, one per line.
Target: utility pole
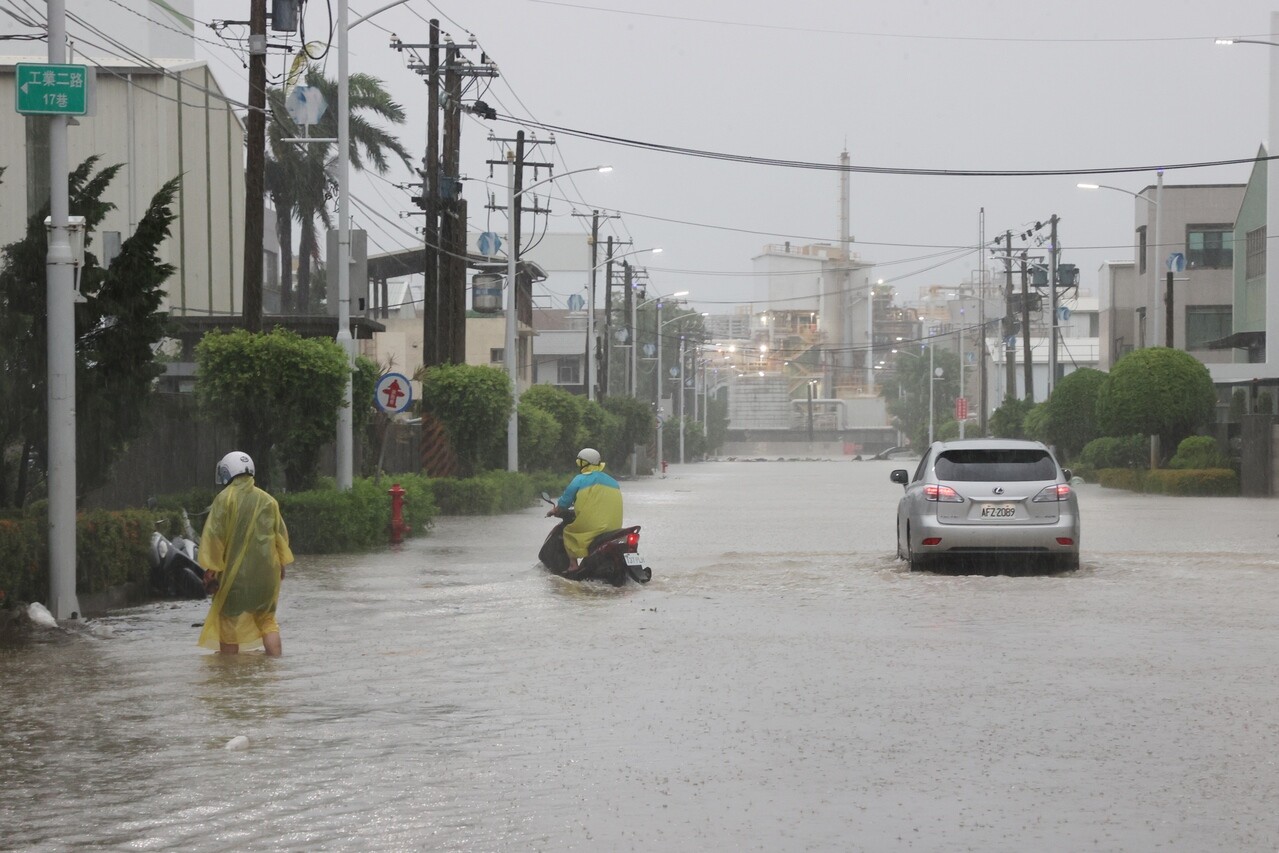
522 296
444 248
1010 336
60 352
1008 326
1027 366
1052 307
590 302
452 287
590 378
431 206
254 168
981 338
631 303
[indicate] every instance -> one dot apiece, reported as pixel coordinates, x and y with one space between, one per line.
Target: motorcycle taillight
632 540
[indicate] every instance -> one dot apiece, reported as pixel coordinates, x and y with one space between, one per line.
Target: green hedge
1203 482
111 551
1210 482
495 492
112 546
327 521
1121 478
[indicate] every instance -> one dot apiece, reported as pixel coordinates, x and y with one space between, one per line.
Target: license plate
632 559
998 511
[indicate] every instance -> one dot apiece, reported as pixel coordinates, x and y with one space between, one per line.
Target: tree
282 393
1008 421
1072 411
117 330
569 411
474 405
298 177
636 426
1156 391
906 391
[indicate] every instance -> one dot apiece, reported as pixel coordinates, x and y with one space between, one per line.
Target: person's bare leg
229 648
271 644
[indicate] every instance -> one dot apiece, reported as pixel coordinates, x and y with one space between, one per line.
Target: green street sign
53 89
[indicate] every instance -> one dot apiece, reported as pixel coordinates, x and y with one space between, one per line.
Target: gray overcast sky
964 85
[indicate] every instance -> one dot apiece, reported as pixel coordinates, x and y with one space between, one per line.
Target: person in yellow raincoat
597 500
245 546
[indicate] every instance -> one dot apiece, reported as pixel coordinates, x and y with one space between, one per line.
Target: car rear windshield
992 465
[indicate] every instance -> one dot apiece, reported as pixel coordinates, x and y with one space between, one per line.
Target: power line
879 35
875 170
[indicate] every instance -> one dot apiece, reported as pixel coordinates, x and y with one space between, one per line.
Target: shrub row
111 547
111 551
1202 482
495 492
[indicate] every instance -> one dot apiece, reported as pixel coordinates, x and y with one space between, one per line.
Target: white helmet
233 465
588 456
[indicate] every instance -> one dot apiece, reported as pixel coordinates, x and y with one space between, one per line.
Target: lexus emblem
999 490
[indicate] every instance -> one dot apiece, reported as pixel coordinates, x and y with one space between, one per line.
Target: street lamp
657 376
1244 41
512 251
1152 298
590 315
635 306
933 373
1272 191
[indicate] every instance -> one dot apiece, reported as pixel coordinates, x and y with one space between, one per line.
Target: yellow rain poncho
597 499
246 543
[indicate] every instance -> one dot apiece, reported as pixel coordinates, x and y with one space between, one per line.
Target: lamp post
1152 292
934 373
682 413
657 376
512 252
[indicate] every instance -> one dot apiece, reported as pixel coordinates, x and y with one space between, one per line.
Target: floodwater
783 684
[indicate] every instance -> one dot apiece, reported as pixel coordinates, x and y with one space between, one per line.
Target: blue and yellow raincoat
246 543
597 499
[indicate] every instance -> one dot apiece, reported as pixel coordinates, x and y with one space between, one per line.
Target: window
569 372
1209 247
1206 323
985 466
497 355
1141 250
1255 266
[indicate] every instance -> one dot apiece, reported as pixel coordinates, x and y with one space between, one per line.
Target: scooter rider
596 498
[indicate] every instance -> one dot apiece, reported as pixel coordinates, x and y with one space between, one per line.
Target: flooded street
783 683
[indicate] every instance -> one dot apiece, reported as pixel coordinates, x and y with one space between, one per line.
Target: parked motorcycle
175 570
613 556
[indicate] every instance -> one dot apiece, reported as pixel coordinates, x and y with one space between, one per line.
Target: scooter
613 556
175 570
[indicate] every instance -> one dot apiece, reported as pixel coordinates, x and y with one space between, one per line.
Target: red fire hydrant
664 463
399 527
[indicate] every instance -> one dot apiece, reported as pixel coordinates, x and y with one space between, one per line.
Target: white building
160 117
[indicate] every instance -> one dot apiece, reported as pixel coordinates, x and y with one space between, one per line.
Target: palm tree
298 176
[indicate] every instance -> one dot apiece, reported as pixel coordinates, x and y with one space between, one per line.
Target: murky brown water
783 684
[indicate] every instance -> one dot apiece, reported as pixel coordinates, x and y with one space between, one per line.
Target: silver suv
986 500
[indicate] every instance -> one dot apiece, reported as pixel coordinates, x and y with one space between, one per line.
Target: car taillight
632 541
1059 492
945 494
